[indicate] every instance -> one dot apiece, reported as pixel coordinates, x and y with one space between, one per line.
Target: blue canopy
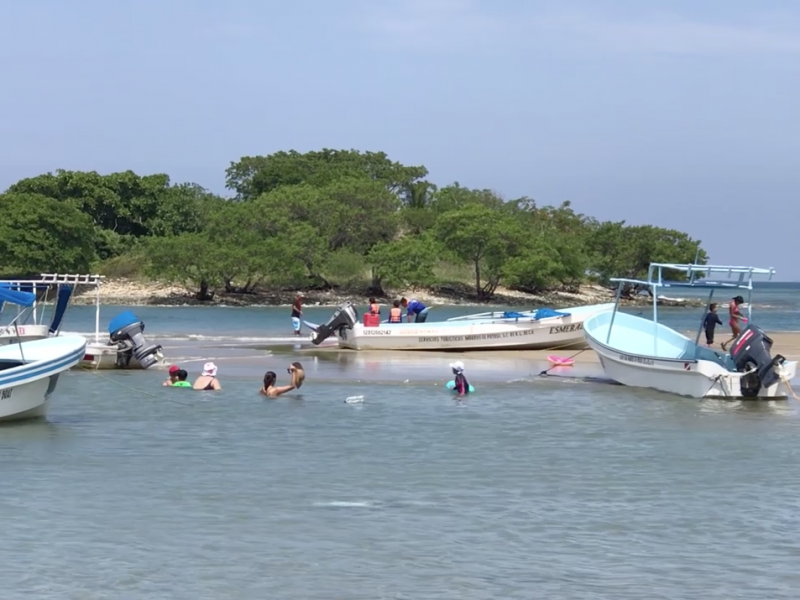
510 314
20 298
544 313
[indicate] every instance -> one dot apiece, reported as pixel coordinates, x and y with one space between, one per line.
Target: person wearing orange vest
396 313
374 308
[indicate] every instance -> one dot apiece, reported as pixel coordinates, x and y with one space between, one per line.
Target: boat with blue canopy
640 352
29 370
543 328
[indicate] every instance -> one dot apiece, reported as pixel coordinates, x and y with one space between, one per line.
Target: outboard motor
345 316
751 350
126 331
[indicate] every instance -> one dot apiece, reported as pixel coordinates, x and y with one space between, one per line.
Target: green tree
482 237
253 176
41 235
408 261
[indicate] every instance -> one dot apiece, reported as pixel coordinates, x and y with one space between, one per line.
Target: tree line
317 220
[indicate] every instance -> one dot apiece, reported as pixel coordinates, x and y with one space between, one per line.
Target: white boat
545 328
124 348
640 352
29 370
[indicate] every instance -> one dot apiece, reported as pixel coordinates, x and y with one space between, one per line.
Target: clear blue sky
679 113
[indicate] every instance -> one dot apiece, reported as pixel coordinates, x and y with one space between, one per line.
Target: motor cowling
345 316
752 353
127 331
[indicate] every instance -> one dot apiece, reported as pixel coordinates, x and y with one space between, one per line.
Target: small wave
344 504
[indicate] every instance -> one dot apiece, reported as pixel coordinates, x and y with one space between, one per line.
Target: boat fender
451 385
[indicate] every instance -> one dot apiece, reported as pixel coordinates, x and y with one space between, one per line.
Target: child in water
710 323
182 375
461 383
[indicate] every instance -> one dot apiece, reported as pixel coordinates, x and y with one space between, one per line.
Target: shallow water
540 488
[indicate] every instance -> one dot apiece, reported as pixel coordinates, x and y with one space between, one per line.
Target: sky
679 113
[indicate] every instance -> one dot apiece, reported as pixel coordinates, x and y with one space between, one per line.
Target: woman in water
461 383
270 390
735 319
208 380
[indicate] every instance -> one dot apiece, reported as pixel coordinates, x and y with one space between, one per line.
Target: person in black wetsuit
710 323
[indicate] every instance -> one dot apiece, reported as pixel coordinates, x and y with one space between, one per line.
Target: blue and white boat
541 329
29 370
640 352
125 347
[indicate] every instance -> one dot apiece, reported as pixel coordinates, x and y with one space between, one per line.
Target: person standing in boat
297 312
416 309
710 323
735 320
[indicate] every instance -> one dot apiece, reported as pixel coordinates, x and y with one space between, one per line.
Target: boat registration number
637 359
6 394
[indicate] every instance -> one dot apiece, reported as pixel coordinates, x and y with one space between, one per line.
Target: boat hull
23 333
99 356
710 377
505 334
25 390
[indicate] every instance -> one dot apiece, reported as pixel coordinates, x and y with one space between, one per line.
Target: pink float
561 361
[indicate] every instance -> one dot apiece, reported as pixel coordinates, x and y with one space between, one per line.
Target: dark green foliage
317 219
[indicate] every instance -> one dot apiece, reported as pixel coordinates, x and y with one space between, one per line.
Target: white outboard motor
125 331
345 316
751 352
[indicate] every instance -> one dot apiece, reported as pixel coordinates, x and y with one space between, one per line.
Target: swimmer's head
457 367
269 379
182 374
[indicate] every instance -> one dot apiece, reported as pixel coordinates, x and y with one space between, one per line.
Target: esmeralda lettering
566 328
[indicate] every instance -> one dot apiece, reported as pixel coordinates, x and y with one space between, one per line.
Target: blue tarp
20 298
513 315
122 320
545 313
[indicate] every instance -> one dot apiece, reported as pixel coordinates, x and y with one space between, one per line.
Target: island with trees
333 223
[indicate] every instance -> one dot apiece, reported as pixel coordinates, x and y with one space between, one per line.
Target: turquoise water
561 487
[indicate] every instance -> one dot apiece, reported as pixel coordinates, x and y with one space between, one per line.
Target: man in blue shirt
415 308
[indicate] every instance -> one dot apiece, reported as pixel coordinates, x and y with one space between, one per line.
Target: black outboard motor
751 350
126 331
345 316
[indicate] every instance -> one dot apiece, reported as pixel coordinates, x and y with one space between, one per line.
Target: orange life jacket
374 309
395 315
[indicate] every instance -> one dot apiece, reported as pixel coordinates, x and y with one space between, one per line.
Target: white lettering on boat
566 328
637 359
6 394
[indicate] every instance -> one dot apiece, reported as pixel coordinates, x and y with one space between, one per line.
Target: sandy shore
157 293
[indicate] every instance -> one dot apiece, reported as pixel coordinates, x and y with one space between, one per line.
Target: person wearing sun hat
461 383
173 375
208 380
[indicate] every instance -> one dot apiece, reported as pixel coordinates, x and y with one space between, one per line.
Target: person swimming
181 382
462 386
173 375
271 390
208 379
